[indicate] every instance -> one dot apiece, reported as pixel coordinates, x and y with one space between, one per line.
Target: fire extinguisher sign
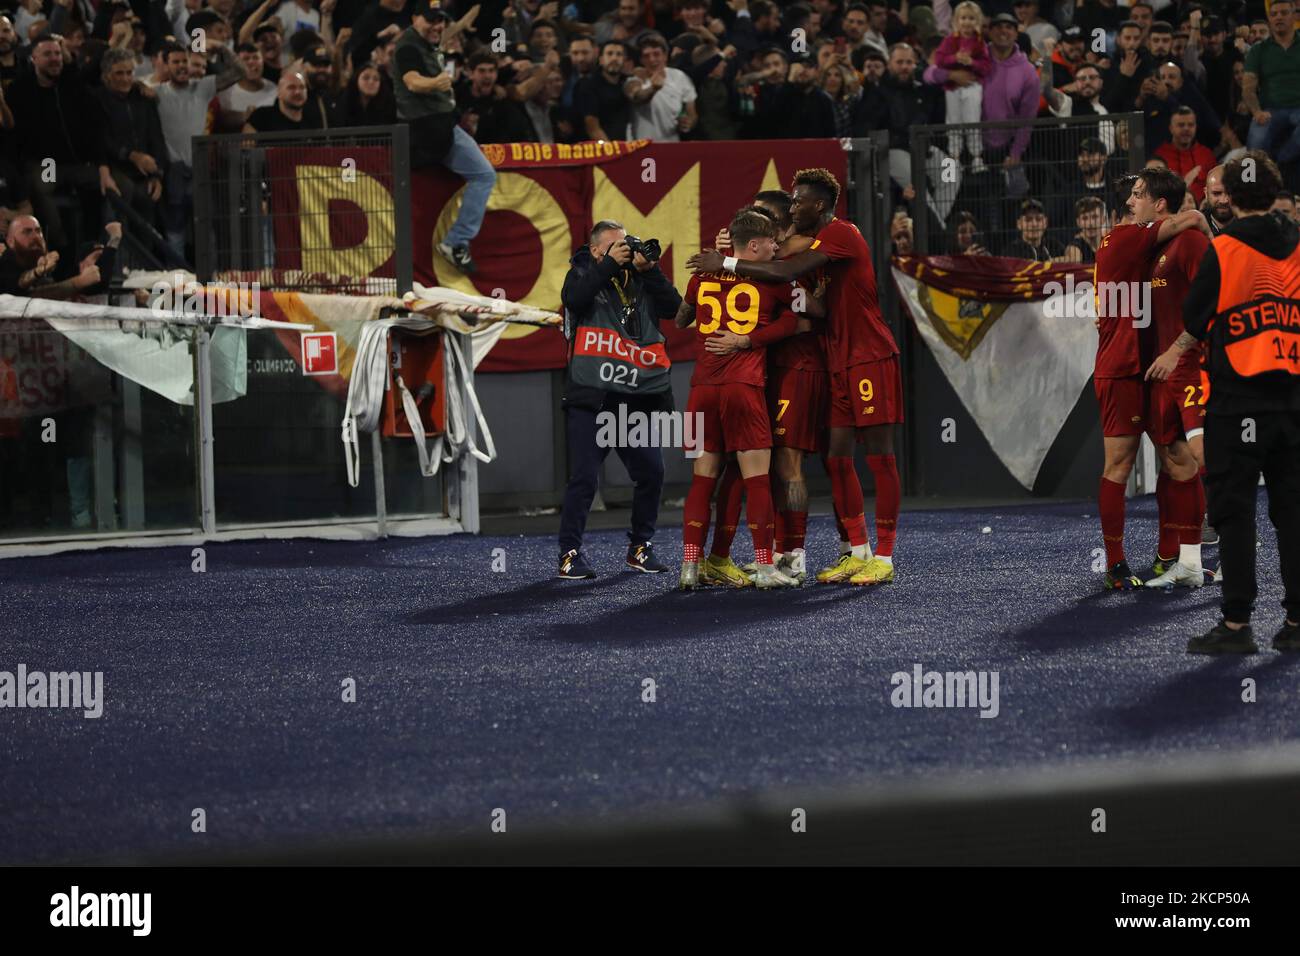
319 354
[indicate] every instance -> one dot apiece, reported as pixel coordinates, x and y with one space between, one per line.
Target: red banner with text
544 203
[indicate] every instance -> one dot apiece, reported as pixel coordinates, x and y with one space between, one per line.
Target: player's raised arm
1180 222
778 270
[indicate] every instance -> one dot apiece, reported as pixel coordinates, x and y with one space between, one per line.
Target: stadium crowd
101 97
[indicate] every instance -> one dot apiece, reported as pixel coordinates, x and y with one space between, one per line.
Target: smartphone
450 68
841 44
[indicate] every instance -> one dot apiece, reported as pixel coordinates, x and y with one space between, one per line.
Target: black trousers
645 466
1233 465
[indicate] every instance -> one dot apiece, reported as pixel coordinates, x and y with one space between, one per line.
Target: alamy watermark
1110 300
638 429
78 690
77 909
922 688
181 297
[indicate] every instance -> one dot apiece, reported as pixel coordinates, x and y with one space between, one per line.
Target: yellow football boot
723 571
842 570
876 572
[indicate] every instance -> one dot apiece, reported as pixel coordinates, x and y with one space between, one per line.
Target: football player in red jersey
1177 376
866 385
798 388
1126 347
728 391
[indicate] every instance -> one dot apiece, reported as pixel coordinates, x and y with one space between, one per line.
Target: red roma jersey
856 331
1120 279
806 350
728 303
1171 279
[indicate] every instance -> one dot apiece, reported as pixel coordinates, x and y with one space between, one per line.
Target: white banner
1017 371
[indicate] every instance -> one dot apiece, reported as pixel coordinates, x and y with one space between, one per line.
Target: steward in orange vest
1244 304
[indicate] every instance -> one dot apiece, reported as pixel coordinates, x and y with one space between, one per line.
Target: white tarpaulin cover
1017 370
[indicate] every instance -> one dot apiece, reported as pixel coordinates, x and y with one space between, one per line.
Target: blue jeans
466 160
1282 133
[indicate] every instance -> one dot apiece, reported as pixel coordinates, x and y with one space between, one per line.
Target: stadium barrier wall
1219 810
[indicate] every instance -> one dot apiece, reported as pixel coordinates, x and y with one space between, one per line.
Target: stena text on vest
618 346
1258 312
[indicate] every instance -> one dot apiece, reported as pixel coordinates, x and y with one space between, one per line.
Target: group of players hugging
797 359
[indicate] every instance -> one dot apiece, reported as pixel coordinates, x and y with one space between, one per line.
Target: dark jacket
787 111
897 107
1230 394
131 124
589 288
60 122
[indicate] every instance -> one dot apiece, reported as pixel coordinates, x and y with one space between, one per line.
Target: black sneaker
459 257
574 566
1224 640
1120 578
1287 639
641 557
1208 534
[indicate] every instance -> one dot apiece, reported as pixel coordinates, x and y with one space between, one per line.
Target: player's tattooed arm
1167 361
778 270
685 315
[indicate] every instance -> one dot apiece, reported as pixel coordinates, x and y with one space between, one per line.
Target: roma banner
995 328
541 210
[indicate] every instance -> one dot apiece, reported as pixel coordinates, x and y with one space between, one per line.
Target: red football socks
1200 495
1110 504
730 490
846 491
758 509
1186 510
1167 545
884 468
796 529
695 517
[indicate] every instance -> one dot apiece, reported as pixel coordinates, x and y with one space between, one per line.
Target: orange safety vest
1259 309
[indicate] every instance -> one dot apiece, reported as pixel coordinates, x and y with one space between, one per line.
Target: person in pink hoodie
965 48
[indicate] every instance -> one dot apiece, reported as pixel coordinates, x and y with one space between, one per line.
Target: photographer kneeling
614 298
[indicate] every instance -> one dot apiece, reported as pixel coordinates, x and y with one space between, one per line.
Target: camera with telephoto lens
647 247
